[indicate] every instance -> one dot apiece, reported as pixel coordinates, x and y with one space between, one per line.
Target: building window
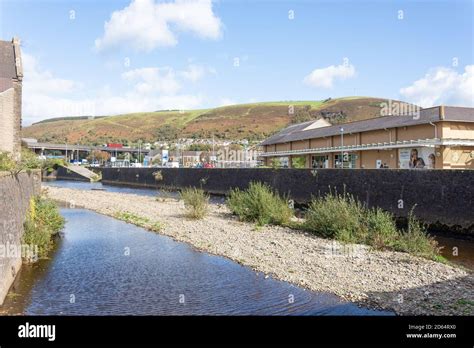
318 162
349 160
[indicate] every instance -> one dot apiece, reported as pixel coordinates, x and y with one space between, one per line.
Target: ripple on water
159 277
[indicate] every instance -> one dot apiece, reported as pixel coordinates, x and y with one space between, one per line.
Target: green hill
244 121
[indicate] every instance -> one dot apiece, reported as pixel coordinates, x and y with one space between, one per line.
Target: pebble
373 279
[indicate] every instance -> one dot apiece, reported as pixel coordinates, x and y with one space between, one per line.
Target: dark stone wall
15 194
63 173
442 197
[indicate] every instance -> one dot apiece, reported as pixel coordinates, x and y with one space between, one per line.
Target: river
103 266
457 251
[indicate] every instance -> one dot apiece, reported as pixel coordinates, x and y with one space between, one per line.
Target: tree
199 147
100 156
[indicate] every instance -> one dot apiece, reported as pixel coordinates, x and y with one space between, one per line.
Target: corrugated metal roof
296 132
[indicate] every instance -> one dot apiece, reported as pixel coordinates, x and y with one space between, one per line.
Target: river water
458 251
81 185
103 266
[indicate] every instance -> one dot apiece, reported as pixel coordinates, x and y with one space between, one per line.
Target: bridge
79 151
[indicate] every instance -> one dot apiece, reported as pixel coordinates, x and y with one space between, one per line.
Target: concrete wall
63 173
15 194
442 197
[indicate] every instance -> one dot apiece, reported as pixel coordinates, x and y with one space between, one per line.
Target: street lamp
342 148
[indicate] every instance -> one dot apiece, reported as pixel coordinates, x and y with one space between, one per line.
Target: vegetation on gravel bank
335 216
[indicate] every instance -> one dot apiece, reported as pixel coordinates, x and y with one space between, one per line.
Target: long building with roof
440 137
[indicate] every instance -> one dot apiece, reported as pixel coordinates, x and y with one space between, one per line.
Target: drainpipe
342 148
435 129
389 135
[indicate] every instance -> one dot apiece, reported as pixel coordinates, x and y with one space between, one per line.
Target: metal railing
375 146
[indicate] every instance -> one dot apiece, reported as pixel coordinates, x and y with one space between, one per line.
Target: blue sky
186 54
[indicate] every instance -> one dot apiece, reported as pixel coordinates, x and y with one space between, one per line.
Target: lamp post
342 148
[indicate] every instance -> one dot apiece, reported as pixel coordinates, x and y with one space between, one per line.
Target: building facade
441 137
11 76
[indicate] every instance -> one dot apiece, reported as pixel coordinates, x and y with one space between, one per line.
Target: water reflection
104 266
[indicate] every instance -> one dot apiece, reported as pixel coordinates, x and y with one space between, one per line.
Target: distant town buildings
11 76
440 137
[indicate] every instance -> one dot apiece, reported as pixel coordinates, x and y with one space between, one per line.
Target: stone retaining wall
15 194
442 197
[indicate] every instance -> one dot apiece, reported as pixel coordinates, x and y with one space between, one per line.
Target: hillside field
244 121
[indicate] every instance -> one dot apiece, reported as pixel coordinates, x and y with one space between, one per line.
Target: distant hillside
245 121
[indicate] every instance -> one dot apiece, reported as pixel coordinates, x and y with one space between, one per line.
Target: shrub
42 223
415 240
382 232
196 202
6 162
27 161
335 216
51 164
344 218
260 204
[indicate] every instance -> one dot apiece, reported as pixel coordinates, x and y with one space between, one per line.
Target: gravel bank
389 280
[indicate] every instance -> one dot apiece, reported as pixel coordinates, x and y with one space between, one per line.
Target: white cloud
145 25
39 81
151 89
149 80
325 77
442 85
193 73
43 93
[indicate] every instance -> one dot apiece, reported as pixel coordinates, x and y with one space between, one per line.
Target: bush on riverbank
415 240
27 161
51 164
196 202
335 216
260 204
342 217
42 223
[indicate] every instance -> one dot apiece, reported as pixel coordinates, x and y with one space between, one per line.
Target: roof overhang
375 146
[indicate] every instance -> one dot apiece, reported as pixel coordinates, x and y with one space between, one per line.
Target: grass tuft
137 220
196 202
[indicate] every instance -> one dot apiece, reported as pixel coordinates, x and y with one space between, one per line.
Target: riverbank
388 280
